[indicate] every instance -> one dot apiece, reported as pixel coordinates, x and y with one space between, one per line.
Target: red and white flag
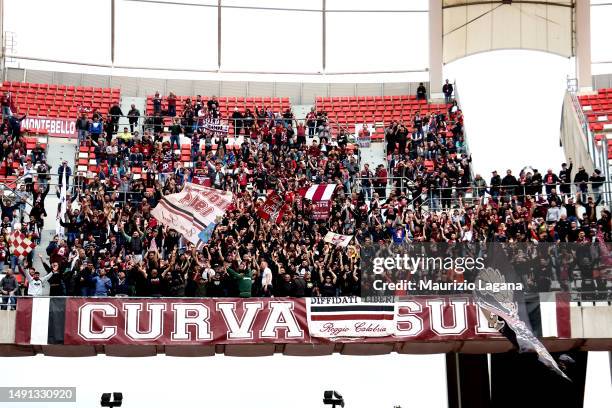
338 239
318 192
273 208
20 245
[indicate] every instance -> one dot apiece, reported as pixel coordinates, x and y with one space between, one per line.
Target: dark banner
74 321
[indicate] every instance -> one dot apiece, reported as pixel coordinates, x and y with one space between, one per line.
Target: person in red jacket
380 181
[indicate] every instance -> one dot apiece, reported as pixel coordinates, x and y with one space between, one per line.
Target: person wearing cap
35 282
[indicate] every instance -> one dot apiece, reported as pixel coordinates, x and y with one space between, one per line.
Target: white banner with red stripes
191 210
318 192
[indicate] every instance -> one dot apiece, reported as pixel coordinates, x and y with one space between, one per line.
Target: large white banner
333 317
55 126
191 210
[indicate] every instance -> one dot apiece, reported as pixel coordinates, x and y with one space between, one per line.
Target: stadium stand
598 111
375 110
424 190
62 101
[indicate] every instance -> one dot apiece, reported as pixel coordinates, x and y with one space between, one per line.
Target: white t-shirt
35 287
266 277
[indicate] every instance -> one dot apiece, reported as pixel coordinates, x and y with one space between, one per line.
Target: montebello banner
59 127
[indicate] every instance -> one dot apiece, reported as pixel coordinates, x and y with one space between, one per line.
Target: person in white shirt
35 282
266 279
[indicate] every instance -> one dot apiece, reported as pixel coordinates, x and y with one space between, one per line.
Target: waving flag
503 309
20 245
273 209
59 230
338 239
318 192
207 232
192 210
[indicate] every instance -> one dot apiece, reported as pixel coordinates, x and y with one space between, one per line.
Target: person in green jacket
244 279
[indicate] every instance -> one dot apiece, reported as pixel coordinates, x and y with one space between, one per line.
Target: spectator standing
495 184
6 104
581 180
509 183
35 282
8 289
171 104
115 114
597 181
565 178
133 117
447 90
157 104
550 181
96 127
44 173
237 120
366 176
175 131
421 93
64 168
82 125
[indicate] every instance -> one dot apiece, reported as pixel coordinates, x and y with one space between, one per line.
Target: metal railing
452 197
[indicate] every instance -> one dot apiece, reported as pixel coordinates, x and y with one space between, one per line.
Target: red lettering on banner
54 126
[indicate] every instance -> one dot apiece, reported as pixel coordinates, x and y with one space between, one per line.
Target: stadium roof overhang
474 26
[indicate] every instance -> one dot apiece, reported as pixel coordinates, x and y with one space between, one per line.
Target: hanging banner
321 210
57 127
193 321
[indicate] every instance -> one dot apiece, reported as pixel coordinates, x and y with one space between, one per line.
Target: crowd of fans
424 192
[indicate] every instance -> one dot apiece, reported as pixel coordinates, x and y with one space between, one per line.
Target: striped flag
318 192
41 320
349 317
59 230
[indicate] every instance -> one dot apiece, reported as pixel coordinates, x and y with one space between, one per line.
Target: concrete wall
602 81
573 139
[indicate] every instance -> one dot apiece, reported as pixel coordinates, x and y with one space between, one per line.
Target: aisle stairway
59 149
